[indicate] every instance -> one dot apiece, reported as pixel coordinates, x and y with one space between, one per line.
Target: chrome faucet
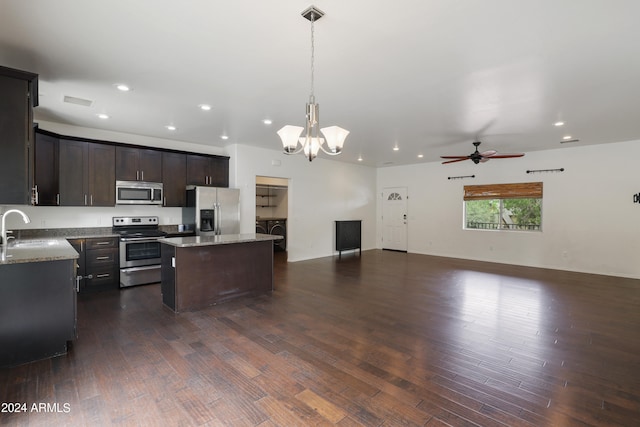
4 226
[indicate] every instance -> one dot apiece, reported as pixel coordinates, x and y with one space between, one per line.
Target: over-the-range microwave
138 193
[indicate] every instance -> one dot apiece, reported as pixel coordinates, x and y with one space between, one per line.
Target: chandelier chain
312 55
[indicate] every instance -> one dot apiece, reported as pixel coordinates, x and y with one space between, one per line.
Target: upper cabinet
174 179
87 173
18 96
138 164
102 175
46 188
207 170
73 171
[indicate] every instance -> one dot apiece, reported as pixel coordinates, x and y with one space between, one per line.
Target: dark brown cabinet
45 181
73 170
138 164
98 264
18 96
207 170
102 175
87 173
38 305
174 179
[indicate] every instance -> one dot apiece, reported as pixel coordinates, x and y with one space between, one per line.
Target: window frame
500 193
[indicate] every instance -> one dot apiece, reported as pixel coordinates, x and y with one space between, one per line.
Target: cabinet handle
137 175
91 198
34 197
58 199
85 200
101 258
103 243
78 278
102 276
141 175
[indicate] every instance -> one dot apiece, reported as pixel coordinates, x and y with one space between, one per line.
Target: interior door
394 219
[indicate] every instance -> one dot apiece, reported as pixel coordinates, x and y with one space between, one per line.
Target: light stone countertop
36 250
222 239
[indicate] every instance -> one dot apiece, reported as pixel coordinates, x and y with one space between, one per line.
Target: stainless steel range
139 249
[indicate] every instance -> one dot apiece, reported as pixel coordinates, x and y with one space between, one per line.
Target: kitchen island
201 271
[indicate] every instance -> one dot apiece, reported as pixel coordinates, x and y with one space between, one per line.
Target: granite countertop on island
221 239
36 250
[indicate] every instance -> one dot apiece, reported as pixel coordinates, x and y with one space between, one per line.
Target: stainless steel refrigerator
214 210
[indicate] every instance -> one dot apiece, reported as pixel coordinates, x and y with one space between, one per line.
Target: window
503 206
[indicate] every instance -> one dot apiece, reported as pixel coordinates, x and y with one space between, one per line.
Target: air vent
78 101
569 140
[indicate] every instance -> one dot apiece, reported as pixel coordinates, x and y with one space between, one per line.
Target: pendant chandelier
310 137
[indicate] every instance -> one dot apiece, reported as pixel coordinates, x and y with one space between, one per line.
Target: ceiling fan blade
457 160
506 156
454 157
485 159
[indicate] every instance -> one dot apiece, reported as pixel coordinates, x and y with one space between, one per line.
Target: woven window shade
525 190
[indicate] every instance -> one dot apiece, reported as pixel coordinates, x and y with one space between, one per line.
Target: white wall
590 223
319 193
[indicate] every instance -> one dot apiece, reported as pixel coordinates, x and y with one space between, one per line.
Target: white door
394 219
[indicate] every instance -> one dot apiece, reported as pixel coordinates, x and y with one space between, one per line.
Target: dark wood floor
383 339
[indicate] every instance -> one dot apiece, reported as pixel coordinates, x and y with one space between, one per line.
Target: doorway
394 219
272 207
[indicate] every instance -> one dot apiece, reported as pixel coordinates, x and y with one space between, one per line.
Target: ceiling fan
478 157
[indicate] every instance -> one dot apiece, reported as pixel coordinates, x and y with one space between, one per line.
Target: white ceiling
429 76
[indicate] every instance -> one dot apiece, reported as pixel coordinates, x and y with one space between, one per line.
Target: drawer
97 243
101 257
104 278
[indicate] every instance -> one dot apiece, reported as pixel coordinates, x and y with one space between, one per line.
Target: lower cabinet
37 310
98 265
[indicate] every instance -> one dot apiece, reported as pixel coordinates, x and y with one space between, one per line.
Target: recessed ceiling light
205 107
102 116
171 127
420 156
559 123
360 158
396 148
225 137
567 137
267 121
122 87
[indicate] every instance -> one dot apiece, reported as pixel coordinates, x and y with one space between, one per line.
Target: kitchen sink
33 243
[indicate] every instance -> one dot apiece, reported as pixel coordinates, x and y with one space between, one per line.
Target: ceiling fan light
289 135
335 136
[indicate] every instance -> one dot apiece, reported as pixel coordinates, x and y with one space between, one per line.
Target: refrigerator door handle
219 219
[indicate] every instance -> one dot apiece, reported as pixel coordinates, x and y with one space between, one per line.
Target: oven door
139 251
